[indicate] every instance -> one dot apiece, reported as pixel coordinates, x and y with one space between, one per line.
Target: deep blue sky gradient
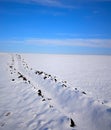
21 21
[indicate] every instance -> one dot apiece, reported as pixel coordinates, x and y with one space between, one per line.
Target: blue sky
55 26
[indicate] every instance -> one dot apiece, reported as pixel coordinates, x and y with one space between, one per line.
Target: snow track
43 102
25 74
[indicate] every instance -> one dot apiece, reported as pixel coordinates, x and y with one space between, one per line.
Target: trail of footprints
14 71
39 92
5 115
46 76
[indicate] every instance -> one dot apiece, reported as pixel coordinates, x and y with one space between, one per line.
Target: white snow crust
34 97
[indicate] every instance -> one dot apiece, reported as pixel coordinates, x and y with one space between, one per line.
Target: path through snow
34 100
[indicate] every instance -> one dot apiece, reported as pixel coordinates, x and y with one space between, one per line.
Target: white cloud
72 42
97 43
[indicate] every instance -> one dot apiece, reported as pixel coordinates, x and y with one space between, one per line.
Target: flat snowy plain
91 73
55 92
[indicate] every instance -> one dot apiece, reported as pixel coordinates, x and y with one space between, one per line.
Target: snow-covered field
55 92
90 73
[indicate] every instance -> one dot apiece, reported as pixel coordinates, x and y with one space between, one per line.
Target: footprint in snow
63 85
72 123
13 79
43 99
2 124
40 93
45 77
8 113
84 92
49 99
11 66
50 106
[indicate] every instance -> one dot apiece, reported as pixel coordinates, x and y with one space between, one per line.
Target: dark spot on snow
75 88
24 79
36 72
64 81
21 76
45 77
63 85
19 73
50 106
45 74
43 100
55 80
7 114
11 66
40 93
51 79
84 92
29 81
13 79
2 124
39 72
49 99
19 56
72 123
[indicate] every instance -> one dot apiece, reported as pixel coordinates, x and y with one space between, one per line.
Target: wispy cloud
51 3
94 43
56 3
75 35
72 42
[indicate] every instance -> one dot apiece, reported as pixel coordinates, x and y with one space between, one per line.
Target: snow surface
32 98
91 73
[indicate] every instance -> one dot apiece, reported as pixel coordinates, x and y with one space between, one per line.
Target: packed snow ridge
34 100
